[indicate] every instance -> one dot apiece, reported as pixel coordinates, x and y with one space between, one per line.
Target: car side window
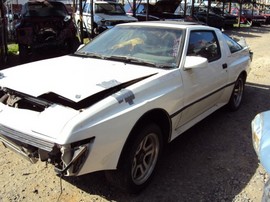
233 45
204 44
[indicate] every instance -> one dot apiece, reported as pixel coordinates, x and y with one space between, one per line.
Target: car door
203 87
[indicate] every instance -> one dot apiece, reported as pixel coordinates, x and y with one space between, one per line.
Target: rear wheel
139 161
237 94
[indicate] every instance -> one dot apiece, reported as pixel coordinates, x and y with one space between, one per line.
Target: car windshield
109 8
139 8
44 9
136 44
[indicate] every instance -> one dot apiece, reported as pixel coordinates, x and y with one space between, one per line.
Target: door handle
225 66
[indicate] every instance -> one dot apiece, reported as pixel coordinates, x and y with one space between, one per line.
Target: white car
106 15
260 128
119 100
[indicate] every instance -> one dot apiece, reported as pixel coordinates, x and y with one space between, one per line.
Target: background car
44 24
141 9
260 127
210 19
106 15
266 13
165 10
117 102
234 11
252 17
229 19
3 34
161 10
155 12
200 15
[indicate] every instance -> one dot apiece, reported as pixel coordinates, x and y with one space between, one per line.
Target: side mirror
194 62
67 18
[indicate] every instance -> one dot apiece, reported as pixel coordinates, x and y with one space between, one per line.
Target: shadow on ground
248 32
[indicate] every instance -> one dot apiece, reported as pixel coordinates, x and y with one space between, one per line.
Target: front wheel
138 163
237 94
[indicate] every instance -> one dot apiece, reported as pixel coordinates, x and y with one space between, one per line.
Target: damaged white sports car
116 102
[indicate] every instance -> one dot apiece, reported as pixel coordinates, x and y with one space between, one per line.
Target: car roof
43 2
169 23
102 2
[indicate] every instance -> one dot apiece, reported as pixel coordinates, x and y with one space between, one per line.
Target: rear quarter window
233 45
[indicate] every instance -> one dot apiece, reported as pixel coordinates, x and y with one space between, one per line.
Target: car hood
74 78
123 17
227 15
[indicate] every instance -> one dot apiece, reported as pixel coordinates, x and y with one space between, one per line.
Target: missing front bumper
18 149
67 159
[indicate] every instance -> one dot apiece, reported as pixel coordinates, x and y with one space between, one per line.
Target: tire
96 31
139 160
237 94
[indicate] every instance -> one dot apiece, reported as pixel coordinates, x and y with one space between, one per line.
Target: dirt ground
213 161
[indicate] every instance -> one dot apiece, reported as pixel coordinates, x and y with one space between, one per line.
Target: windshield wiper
131 60
87 54
124 59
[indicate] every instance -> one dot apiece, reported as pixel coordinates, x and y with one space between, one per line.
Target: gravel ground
213 161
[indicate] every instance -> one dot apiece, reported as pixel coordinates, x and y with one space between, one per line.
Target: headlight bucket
256 128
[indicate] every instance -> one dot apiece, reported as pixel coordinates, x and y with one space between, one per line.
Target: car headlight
256 128
104 22
108 23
